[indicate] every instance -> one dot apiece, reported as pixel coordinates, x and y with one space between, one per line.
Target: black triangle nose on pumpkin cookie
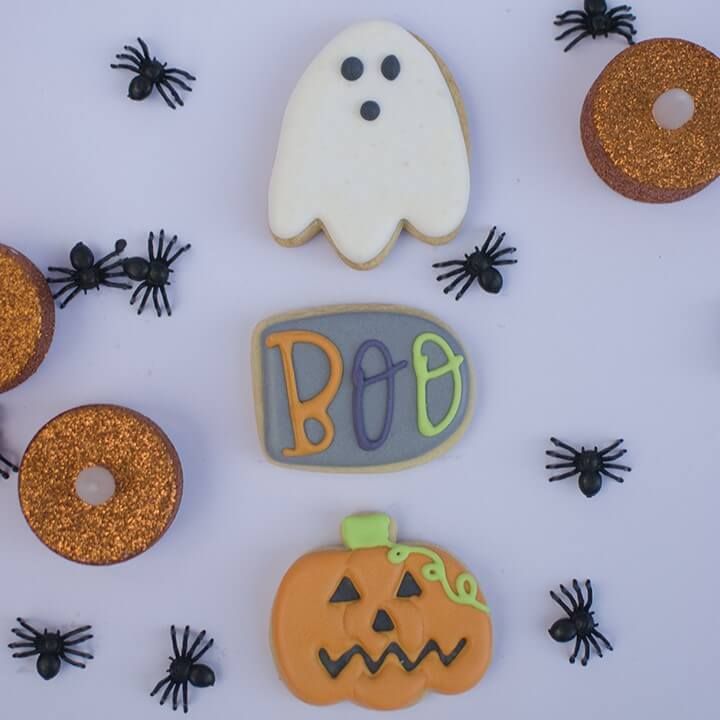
383 622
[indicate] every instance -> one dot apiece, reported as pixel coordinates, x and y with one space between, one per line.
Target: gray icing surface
348 330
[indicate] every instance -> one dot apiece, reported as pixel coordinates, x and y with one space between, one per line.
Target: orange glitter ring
143 463
27 318
626 144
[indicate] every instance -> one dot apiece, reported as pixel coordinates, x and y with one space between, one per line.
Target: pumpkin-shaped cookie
379 623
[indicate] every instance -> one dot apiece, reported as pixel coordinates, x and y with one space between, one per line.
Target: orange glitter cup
27 318
623 141
143 463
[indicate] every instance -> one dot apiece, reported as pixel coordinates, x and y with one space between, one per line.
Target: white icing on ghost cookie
372 141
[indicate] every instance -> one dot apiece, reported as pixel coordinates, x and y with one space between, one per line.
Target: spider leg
28 653
598 634
77 631
131 58
166 302
14 645
558 466
455 282
578 592
113 254
616 456
78 640
569 31
563 445
140 287
173 635
156 689
185 696
576 650
176 692
560 602
22 635
69 297
177 81
28 627
496 244
554 478
144 300
122 286
586 656
626 16
567 594
112 266
63 289
158 311
488 240
186 635
571 13
505 262
616 466
594 643
144 47
134 51
619 8
169 247
589 590
628 36
79 653
561 456
612 446
62 270
576 41
500 253
122 66
161 243
71 661
439 278
183 249
164 95
465 287
193 647
610 475
208 645
178 71
173 91
56 280
167 692
624 24
447 263
151 246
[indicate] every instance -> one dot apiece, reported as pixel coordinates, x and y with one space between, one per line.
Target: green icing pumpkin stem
361 532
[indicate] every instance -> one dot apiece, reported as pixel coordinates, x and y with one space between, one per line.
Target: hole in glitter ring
673 109
95 485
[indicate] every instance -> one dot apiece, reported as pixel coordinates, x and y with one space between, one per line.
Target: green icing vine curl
466 587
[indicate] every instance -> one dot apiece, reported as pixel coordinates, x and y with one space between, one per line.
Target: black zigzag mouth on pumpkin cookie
335 667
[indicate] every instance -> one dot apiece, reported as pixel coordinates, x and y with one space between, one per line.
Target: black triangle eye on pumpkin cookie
419 623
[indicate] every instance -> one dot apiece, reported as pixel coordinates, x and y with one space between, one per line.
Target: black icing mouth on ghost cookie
370 110
335 667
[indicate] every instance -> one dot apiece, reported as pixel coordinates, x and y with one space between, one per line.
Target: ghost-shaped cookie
374 141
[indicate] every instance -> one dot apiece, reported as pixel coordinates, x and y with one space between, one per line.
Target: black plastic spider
51 648
153 273
480 264
591 465
151 73
86 274
580 623
597 20
184 668
4 461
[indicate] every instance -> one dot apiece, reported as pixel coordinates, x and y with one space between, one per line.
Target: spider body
185 669
481 264
596 20
87 274
153 273
51 648
151 73
590 465
579 625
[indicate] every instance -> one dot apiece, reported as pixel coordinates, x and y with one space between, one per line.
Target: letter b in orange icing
315 408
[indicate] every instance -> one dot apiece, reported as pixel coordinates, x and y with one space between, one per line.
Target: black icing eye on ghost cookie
352 68
390 67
